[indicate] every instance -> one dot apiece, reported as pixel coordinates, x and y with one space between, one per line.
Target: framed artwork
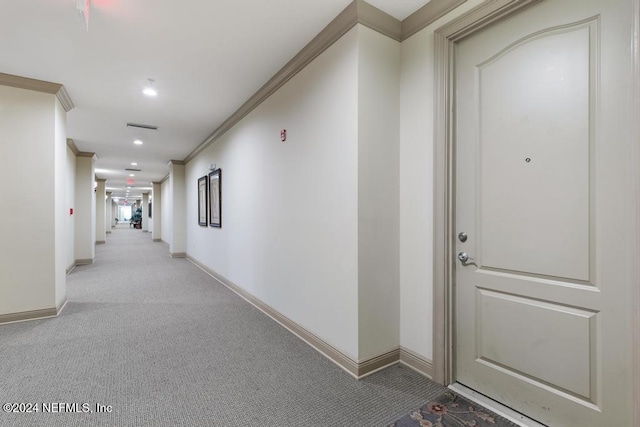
149 209
202 201
215 198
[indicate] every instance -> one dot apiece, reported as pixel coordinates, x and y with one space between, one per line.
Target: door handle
465 260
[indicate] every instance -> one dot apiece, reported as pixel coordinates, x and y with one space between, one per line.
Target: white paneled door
541 133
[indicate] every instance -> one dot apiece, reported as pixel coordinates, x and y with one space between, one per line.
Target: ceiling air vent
141 126
133 170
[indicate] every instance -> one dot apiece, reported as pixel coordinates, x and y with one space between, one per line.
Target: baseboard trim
108 231
158 241
100 242
357 370
178 255
24 316
62 305
416 362
378 363
70 269
84 261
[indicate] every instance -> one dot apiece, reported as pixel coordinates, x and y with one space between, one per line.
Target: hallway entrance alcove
124 213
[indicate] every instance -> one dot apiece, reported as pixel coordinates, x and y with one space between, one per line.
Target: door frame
445 39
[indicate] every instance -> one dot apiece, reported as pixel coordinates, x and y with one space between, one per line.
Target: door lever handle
465 260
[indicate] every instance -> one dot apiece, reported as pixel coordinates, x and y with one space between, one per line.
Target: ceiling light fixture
134 164
149 90
132 174
138 142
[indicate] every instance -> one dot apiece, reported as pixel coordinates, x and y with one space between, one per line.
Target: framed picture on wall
149 209
202 201
215 198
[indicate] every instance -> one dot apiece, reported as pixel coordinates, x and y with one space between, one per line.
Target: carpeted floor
164 344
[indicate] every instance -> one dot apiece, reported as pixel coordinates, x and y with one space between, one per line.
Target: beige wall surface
416 186
177 188
378 193
60 211
166 220
84 210
27 126
70 203
289 210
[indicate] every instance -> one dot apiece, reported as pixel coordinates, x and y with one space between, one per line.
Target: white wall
60 209
289 219
166 218
416 187
101 211
150 220
108 213
84 210
28 149
177 187
70 203
156 220
145 212
378 193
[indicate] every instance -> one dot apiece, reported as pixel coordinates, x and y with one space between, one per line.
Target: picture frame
215 198
150 210
202 201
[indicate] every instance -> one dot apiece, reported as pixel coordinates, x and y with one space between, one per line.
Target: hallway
163 343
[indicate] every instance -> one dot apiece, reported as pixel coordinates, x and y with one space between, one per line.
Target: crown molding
177 162
39 86
85 154
346 20
358 12
65 99
72 145
426 15
377 20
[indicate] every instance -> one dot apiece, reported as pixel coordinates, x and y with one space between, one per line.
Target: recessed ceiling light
137 142
134 164
149 89
132 174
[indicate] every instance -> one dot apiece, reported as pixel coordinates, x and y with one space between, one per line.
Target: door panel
563 360
534 146
541 309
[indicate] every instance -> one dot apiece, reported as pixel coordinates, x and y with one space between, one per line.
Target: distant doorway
124 214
